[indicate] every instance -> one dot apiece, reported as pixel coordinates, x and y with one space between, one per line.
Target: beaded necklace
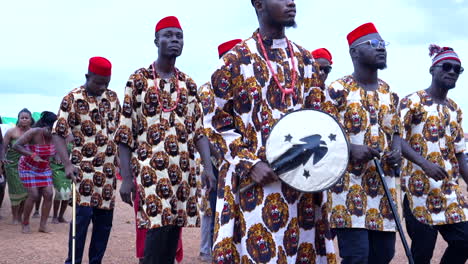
176 75
284 91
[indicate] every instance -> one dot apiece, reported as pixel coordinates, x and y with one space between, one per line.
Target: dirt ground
39 248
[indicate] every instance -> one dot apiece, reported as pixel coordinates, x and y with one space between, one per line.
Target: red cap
322 53
227 46
167 22
361 31
100 66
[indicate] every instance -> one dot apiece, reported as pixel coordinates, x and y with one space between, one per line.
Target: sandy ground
39 248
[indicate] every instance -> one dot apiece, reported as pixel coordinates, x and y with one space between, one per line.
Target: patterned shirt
163 144
435 132
369 118
92 120
272 223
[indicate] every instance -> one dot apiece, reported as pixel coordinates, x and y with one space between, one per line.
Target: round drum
308 150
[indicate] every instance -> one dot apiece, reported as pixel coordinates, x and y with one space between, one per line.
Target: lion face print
183 191
184 161
109 170
342 184
454 214
356 200
291 237
418 184
99 179
160 160
96 200
371 182
86 187
62 127
148 176
436 201
260 244
226 252
306 254
175 174
374 220
355 119
252 198
239 226
422 215
275 213
164 188
107 192
228 212
153 205
340 217
171 146
306 211
431 129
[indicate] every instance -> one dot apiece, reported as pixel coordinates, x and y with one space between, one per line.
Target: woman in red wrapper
34 168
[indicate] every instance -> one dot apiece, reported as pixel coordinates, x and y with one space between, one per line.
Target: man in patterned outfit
367 109
91 114
208 199
434 147
323 58
160 126
258 81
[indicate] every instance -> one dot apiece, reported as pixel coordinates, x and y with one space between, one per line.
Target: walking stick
394 211
73 221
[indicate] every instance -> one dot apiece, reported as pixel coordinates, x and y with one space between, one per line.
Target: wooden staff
391 202
73 221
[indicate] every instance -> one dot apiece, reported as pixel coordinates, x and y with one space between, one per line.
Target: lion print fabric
273 223
92 120
163 144
369 118
435 132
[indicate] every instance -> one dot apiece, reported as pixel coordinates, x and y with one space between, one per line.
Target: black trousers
424 237
161 245
362 246
102 225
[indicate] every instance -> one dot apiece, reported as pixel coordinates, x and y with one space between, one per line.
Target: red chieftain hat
361 31
322 53
167 22
227 46
100 66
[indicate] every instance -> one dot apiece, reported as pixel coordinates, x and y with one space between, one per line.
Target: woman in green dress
16 190
62 186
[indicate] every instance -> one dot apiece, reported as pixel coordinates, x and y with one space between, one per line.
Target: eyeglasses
375 43
447 67
326 69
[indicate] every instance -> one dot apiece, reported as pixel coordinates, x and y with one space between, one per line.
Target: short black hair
25 110
47 119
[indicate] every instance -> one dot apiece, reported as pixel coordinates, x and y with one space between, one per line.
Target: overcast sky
46 44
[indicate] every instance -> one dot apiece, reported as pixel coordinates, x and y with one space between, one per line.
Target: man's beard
290 24
444 85
381 66
376 65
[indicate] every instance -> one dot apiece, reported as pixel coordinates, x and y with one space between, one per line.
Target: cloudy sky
46 44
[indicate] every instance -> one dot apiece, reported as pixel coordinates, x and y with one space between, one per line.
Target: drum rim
346 140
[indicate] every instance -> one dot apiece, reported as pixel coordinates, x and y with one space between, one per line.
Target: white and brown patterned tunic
273 223
369 118
435 132
92 120
163 144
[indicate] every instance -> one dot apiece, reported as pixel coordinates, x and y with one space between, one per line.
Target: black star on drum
287 138
332 137
306 174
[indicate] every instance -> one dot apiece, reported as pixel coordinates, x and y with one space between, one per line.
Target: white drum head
308 150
